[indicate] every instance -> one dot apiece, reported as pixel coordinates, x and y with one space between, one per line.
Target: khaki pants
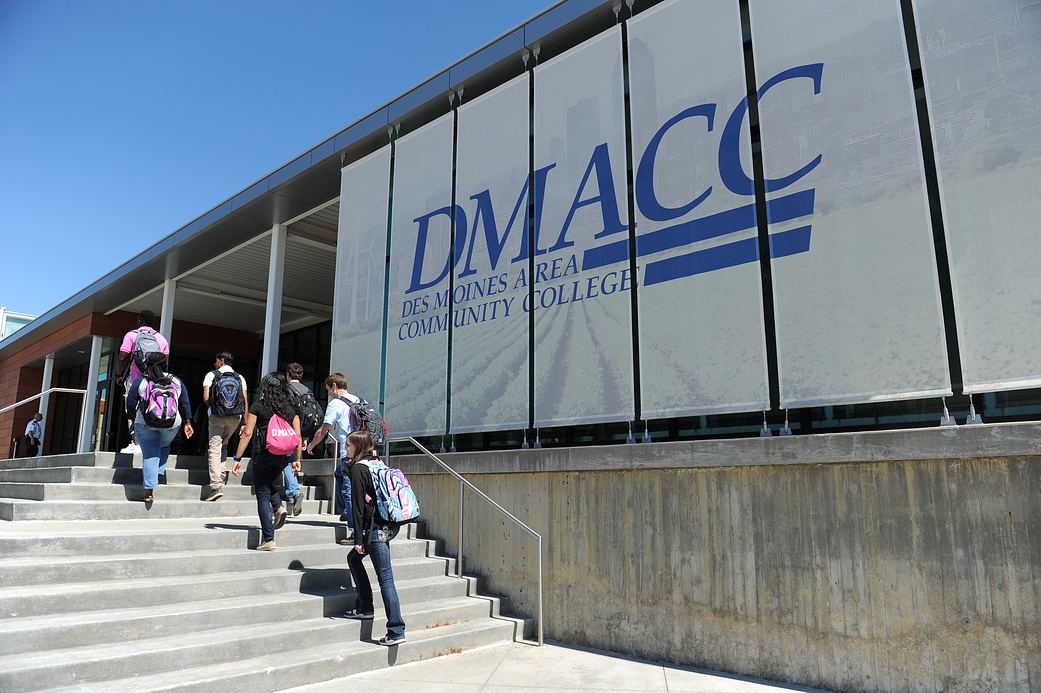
221 429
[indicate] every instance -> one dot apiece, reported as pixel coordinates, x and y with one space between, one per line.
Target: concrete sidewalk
519 667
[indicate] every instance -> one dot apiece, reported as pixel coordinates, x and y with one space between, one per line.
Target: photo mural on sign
490 335
854 280
582 303
361 249
858 316
421 241
701 330
981 60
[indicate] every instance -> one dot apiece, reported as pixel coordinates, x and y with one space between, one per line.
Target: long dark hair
274 390
155 366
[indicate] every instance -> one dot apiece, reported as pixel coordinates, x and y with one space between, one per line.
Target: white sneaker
132 449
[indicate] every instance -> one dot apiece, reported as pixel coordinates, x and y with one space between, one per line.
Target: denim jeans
155 449
267 468
378 547
292 485
343 493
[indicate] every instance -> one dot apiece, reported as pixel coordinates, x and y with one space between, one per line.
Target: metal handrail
464 483
45 392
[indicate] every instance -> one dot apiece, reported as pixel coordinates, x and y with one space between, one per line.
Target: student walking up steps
274 397
373 535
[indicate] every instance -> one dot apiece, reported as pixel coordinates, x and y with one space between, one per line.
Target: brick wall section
13 370
18 380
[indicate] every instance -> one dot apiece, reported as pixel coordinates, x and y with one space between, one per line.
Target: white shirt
338 415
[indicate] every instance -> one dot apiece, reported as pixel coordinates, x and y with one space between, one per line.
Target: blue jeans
155 449
378 547
343 493
266 469
292 485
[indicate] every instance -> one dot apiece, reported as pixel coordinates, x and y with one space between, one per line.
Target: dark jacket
365 513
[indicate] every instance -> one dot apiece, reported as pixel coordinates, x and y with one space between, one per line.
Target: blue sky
121 121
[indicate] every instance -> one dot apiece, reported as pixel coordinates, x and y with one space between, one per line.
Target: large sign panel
980 61
856 295
702 339
490 323
361 249
420 246
582 299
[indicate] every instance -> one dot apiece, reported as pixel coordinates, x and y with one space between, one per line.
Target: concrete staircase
99 592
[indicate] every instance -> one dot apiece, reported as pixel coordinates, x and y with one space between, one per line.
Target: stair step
101 592
298 531
23 510
343 657
100 662
40 634
189 561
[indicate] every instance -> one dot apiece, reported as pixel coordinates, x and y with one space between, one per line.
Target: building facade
688 219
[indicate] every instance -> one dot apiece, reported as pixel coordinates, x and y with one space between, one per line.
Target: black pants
31 449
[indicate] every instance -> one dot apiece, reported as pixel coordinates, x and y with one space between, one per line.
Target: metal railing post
459 552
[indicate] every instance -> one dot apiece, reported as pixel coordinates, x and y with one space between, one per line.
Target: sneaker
132 449
391 639
298 503
267 546
216 495
344 517
360 615
224 478
348 541
280 517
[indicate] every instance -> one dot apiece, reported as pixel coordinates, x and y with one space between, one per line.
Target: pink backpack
281 438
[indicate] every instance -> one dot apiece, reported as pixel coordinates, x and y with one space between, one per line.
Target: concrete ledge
962 442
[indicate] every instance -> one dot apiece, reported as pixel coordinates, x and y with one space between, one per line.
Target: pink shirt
128 348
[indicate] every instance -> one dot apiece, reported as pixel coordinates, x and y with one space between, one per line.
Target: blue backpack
226 398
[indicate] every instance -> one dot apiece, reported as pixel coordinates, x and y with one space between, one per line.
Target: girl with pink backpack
275 415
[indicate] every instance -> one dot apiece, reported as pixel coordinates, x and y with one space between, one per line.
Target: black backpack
311 413
366 417
226 397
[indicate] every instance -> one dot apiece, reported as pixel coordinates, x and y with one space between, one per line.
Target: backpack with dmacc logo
226 398
395 500
366 417
158 405
281 439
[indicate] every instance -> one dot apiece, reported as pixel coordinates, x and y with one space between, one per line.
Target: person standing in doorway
33 435
224 393
136 346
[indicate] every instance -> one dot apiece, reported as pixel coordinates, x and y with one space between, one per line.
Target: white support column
45 401
87 424
273 311
166 319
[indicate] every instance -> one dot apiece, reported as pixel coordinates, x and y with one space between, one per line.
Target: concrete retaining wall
890 561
